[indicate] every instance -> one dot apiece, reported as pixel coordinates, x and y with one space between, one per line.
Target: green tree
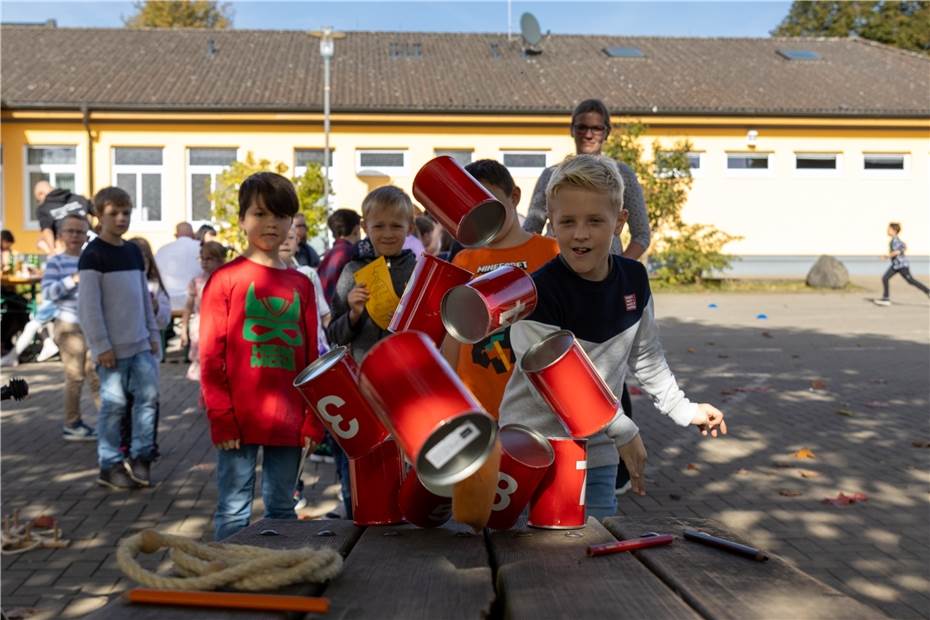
226 197
901 24
180 14
680 253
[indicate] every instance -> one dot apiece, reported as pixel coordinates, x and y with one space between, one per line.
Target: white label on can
450 445
335 421
502 498
584 483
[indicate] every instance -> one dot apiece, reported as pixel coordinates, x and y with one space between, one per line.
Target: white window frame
447 151
388 171
818 172
139 169
896 174
52 170
749 172
519 171
192 169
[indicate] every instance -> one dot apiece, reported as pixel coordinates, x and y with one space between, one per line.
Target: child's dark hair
7 236
343 221
202 232
115 196
215 249
425 226
592 105
492 172
272 191
896 227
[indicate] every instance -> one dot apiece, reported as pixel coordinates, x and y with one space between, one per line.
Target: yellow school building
800 146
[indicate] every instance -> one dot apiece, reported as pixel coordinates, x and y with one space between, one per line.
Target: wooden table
32 281
448 573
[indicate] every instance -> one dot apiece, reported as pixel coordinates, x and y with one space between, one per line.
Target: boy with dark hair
345 224
116 316
258 329
899 265
485 367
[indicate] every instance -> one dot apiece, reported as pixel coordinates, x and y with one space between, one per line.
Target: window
463 156
378 162
884 163
305 157
798 54
203 166
694 163
405 50
139 171
55 164
624 52
816 163
748 162
525 163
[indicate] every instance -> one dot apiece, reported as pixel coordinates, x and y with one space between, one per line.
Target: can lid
320 365
547 351
482 224
465 315
456 449
526 445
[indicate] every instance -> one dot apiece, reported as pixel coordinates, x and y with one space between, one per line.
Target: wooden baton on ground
229 600
727 545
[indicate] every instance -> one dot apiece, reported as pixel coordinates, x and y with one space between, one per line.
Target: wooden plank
404 572
341 535
722 586
547 574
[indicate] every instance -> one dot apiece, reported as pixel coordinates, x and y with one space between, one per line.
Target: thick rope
215 565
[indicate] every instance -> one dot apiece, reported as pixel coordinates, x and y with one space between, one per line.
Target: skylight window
624 52
798 54
405 50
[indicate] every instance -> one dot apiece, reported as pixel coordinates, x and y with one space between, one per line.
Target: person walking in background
306 256
60 287
345 224
212 257
899 265
206 233
161 303
178 263
54 205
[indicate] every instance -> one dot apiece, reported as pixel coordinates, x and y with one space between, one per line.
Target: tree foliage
180 14
680 253
226 197
901 24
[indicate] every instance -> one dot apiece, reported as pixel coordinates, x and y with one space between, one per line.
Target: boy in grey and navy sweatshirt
116 315
606 302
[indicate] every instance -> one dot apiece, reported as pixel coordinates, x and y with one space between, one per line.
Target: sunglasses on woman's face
597 130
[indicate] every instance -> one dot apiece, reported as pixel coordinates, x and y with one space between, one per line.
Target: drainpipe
85 113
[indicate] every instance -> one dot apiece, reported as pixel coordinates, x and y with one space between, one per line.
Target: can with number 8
525 459
559 502
330 387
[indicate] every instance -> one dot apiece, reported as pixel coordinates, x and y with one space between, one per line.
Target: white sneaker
881 302
10 360
622 490
49 350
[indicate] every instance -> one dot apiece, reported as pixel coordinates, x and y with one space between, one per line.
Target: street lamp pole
327 38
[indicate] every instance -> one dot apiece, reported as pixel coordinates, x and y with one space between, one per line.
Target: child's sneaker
138 470
49 350
116 478
623 489
300 502
11 359
78 432
882 302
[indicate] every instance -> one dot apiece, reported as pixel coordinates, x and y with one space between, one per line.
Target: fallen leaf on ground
634 391
845 500
767 335
804 453
818 384
710 344
674 496
789 492
795 357
921 444
692 350
693 466
807 473
876 404
844 412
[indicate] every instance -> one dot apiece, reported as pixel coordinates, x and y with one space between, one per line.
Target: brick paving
873 361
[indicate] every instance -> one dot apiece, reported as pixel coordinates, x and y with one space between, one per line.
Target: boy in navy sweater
605 301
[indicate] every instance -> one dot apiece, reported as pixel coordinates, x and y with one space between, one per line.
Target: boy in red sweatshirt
258 329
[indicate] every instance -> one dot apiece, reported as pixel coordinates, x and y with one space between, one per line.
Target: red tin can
525 459
330 387
459 202
420 506
375 480
569 383
420 305
559 501
472 312
436 421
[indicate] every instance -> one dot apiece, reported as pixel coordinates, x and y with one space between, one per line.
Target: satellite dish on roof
529 28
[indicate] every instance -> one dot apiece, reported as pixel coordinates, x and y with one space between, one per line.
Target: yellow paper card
382 300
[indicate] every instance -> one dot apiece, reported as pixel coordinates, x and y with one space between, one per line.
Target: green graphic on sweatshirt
269 319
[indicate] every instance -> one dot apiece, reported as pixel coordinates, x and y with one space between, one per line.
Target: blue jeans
600 501
342 471
235 478
136 376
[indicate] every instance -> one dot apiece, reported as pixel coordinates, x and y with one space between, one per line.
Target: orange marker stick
229 600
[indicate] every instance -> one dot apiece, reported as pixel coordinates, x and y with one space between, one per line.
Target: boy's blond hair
595 173
388 197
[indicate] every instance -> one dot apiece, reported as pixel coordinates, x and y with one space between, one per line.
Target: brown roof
249 70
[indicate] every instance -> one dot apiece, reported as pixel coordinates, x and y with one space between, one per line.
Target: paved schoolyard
862 418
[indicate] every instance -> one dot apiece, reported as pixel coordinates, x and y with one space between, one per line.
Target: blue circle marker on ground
762 316
711 305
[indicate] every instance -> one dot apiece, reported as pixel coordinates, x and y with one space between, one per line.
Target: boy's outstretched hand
709 419
633 454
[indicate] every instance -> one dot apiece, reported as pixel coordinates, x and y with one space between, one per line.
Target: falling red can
472 312
420 307
569 383
375 480
459 202
436 421
420 506
525 459
330 387
558 503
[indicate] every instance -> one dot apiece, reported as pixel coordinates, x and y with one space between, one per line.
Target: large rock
828 272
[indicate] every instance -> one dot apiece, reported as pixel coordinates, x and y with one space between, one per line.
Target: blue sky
753 19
